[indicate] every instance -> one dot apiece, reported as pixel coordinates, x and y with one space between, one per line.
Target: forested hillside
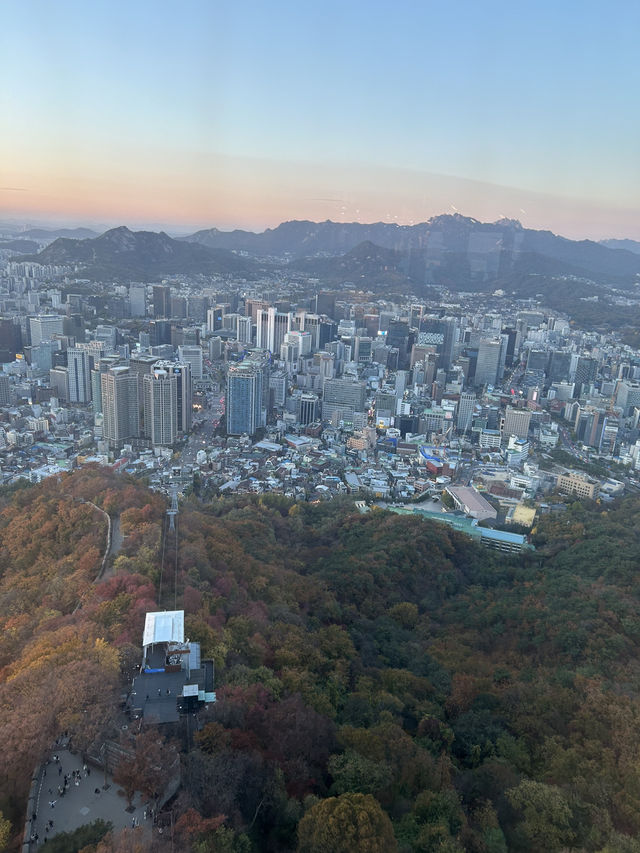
382 682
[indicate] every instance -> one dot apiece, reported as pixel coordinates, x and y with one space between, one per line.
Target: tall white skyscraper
272 326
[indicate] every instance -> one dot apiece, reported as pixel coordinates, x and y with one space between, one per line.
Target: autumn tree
150 767
350 823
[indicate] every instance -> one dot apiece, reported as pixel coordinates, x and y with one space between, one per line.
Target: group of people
34 837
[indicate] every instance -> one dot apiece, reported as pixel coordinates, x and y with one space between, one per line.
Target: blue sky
244 114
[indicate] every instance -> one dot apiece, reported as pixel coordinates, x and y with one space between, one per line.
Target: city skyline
245 116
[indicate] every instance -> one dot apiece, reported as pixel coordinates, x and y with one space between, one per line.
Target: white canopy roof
167 626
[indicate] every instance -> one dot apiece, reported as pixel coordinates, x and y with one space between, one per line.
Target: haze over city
246 114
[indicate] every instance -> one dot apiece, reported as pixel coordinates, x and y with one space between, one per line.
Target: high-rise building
586 372
160 332
137 300
516 422
197 308
193 356
488 362
160 407
120 410
304 340
184 391
79 376
363 349
5 390
466 407
244 399
307 408
271 328
559 365
398 337
178 307
537 360
140 364
278 388
161 301
59 381
10 339
245 330
44 327
102 365
342 396
214 319
325 303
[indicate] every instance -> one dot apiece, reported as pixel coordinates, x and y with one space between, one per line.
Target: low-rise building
577 484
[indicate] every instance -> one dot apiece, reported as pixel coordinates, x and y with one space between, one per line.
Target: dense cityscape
468 403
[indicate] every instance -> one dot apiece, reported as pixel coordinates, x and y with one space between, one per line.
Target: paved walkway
80 804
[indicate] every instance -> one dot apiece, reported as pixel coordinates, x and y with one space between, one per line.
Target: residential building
121 416
79 376
160 407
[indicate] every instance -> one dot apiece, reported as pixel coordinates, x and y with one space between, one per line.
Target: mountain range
451 250
143 255
490 249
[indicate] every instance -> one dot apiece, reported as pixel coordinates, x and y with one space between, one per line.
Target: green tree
5 832
547 816
351 823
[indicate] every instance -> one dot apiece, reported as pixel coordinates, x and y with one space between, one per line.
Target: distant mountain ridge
121 252
53 233
628 245
489 248
451 250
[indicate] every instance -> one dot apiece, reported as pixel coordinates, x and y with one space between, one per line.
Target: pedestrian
96 790
44 774
144 814
59 770
51 790
133 822
88 771
159 692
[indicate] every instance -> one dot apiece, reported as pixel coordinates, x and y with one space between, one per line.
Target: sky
208 113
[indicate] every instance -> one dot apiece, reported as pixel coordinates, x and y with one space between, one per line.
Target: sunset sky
244 114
